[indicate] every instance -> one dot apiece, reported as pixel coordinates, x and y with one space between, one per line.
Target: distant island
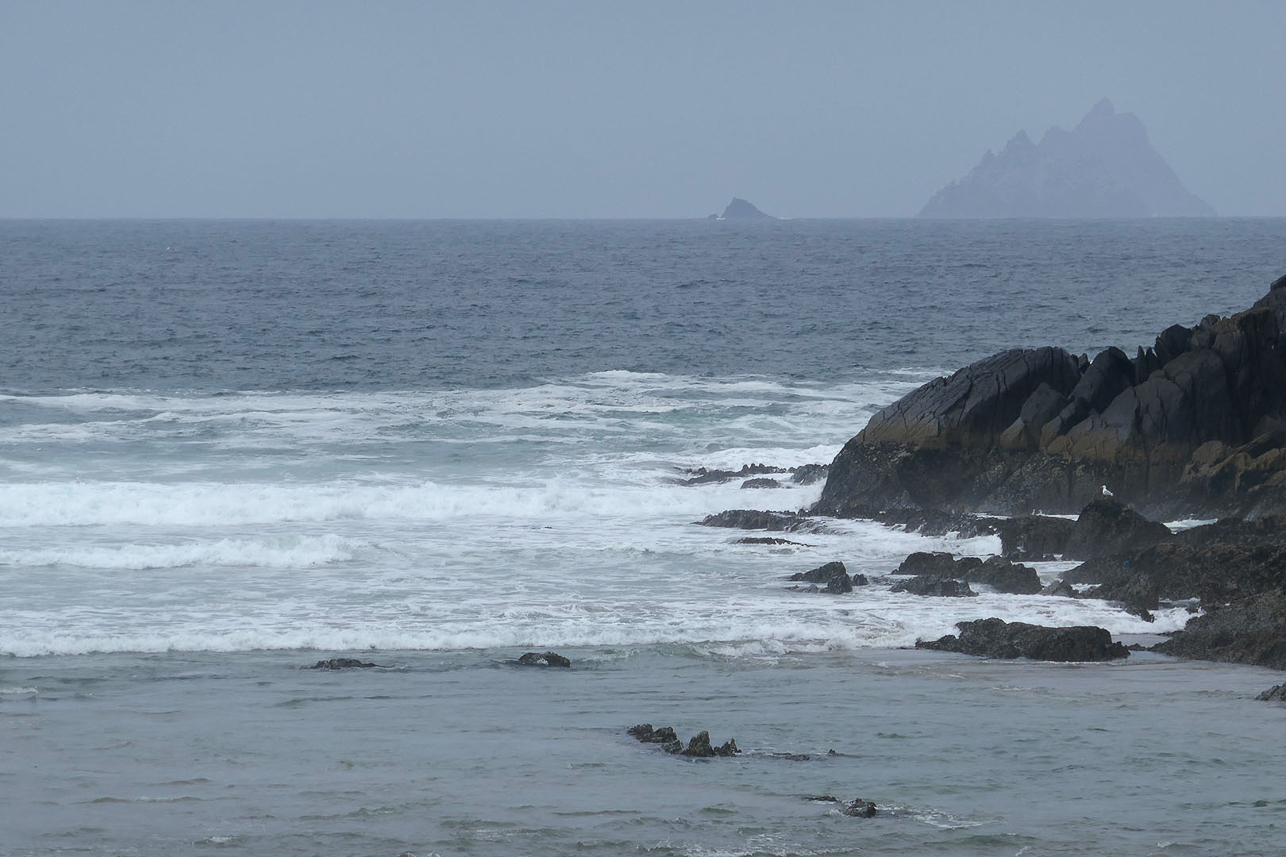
740 209
1103 168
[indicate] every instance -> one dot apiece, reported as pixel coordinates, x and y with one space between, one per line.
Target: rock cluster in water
699 746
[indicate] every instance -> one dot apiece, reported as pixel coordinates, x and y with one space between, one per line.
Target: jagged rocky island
1192 427
1103 168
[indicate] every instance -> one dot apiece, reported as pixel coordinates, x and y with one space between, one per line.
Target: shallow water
230 449
465 753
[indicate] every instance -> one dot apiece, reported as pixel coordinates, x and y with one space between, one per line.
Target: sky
604 109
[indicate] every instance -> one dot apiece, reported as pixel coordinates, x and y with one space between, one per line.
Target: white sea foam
283 552
481 519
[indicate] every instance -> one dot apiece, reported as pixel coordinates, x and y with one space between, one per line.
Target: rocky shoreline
1192 427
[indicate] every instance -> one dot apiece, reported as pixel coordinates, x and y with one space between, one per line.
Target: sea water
231 449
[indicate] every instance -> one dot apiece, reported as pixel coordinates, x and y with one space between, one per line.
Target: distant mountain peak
1104 167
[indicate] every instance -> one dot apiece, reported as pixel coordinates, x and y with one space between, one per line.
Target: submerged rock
341 664
856 808
995 638
545 659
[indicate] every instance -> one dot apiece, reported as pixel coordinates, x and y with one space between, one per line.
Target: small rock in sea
700 748
1059 587
548 659
833 574
341 664
1276 693
768 540
856 808
761 482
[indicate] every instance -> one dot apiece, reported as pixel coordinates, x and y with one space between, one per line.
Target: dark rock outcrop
941 587
341 664
937 564
856 808
1033 537
833 576
1107 527
1000 574
808 474
754 519
1006 576
706 476
995 638
1249 631
761 482
545 659
1276 693
698 747
1195 424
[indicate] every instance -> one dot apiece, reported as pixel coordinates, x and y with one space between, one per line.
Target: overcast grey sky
602 109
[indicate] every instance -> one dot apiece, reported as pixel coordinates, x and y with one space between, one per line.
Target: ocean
231 449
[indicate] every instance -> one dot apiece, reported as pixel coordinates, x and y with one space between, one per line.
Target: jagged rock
645 733
941 587
761 482
809 474
995 638
341 664
767 540
754 519
546 659
1033 537
1104 167
705 476
1195 424
833 574
698 747
927 449
1276 693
